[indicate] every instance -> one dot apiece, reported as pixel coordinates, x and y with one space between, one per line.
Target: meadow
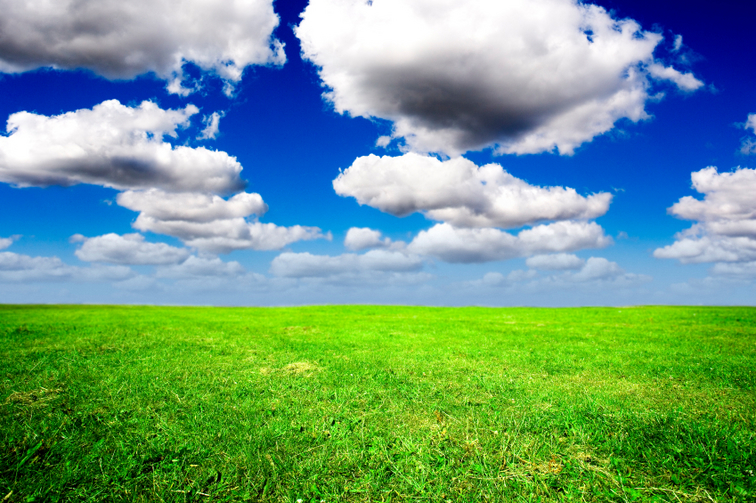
366 403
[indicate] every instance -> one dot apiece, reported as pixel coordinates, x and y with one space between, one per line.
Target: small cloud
383 141
363 238
5 243
211 123
678 43
686 82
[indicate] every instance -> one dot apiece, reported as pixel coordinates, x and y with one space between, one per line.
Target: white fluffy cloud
191 207
128 249
303 265
725 228
5 243
211 223
362 238
456 245
459 192
15 267
526 76
555 262
120 40
112 145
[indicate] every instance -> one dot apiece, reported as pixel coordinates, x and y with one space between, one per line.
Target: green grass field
377 404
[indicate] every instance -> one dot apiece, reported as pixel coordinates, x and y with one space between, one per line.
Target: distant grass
377 404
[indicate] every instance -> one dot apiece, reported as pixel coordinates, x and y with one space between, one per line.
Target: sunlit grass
377 404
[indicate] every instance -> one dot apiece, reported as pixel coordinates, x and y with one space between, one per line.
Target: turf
377 404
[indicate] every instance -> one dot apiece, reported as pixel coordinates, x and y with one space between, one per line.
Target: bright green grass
377 404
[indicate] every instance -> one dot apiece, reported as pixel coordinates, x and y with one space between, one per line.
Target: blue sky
407 152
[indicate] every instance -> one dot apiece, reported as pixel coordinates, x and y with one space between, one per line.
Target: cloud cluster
725 222
211 223
459 192
474 204
120 40
112 145
176 189
525 76
459 245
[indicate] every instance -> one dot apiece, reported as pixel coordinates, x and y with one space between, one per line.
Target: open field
377 404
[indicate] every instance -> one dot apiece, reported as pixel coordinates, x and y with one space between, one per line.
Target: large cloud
129 249
452 244
112 145
460 193
725 228
525 75
211 223
120 40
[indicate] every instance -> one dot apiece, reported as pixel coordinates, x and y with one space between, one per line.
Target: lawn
367 403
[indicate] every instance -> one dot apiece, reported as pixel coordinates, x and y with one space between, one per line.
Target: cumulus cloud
211 223
725 228
555 262
452 244
5 243
15 267
702 248
120 40
524 76
303 265
112 145
191 207
459 192
128 249
363 238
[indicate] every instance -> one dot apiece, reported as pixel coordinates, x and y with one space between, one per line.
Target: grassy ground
377 404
